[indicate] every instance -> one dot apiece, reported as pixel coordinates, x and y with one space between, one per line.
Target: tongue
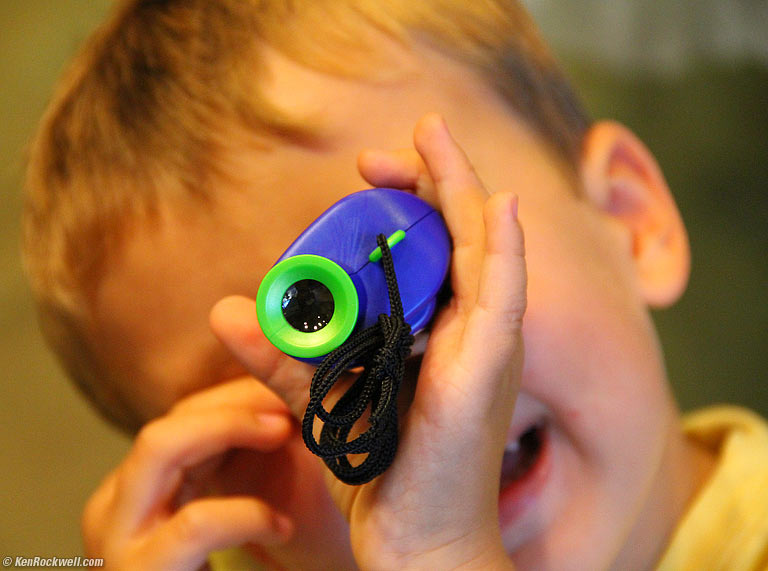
516 463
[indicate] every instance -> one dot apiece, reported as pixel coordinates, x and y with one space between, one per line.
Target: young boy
187 147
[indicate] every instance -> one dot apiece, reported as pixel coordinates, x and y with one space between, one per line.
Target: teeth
512 446
420 343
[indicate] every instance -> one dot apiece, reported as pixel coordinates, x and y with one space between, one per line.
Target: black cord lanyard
382 350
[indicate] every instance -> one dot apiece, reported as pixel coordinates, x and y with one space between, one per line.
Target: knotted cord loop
382 350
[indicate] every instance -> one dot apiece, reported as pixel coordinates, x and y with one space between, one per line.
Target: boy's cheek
578 511
588 354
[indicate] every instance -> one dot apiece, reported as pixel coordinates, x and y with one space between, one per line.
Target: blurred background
690 78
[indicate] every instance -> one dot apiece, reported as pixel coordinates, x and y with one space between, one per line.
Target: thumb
233 320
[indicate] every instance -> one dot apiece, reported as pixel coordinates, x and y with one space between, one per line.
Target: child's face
593 383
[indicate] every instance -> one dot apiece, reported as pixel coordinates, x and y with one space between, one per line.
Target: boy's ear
621 177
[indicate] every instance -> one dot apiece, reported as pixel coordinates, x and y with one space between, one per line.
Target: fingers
494 324
452 173
403 169
461 195
471 369
185 540
166 448
488 266
488 261
96 516
245 392
132 519
440 172
233 320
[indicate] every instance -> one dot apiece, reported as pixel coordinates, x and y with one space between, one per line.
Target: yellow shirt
726 527
233 560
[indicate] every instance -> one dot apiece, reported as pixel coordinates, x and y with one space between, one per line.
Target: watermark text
52 562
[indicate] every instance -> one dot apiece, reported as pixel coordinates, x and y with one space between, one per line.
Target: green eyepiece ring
269 308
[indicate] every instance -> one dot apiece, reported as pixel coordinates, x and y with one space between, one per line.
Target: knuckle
90 516
151 438
507 313
96 509
90 526
514 311
191 526
94 525
230 423
260 512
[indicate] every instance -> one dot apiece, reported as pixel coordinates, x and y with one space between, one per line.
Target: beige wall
54 450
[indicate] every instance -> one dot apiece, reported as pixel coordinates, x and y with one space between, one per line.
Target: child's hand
437 505
173 499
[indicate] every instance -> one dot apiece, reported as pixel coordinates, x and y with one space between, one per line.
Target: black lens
308 305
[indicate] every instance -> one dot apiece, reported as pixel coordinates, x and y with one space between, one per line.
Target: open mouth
521 456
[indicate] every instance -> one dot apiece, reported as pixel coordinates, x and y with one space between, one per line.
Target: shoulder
716 426
726 526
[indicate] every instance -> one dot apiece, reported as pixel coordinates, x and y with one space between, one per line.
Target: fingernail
273 420
446 130
514 202
441 123
283 524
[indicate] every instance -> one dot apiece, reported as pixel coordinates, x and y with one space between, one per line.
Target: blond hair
138 118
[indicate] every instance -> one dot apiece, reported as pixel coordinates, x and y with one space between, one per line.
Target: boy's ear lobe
620 176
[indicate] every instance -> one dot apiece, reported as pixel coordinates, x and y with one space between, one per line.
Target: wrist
461 559
464 554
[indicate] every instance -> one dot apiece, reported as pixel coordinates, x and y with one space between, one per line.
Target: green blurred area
708 126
